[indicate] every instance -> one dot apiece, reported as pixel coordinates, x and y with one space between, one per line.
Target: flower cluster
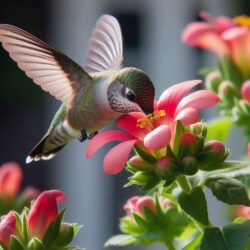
229 39
41 227
10 182
169 142
151 220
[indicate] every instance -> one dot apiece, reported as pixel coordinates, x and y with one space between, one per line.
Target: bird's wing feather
105 49
49 68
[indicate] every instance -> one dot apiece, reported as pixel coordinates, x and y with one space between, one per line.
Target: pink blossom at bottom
7 227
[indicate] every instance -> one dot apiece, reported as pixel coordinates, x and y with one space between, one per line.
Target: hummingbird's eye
130 96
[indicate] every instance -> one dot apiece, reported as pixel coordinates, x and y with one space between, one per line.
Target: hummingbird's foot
91 135
83 136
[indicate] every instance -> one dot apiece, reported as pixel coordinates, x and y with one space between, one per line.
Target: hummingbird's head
131 91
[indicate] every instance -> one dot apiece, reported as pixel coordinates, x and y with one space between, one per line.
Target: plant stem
183 183
169 245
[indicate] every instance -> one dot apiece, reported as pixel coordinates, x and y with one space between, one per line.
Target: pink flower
43 212
153 132
248 149
7 227
245 91
10 180
222 36
30 193
136 205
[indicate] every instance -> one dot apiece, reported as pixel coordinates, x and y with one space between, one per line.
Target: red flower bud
7 227
214 151
145 202
188 138
10 179
43 212
166 169
242 211
130 205
213 80
30 193
245 91
136 205
216 147
190 165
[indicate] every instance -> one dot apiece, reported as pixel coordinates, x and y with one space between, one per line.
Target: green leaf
140 221
53 230
76 227
179 130
195 204
229 169
237 235
150 216
35 244
228 190
25 226
151 183
145 155
219 129
15 244
120 240
213 239
194 244
230 71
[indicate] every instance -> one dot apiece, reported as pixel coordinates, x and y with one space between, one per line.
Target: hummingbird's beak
148 110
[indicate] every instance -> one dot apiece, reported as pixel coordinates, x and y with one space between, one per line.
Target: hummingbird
92 95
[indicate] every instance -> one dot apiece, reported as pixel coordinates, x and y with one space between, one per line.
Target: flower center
242 21
150 119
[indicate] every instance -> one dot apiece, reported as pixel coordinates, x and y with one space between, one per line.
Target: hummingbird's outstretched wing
48 67
105 49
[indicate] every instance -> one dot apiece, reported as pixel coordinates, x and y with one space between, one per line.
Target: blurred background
151 31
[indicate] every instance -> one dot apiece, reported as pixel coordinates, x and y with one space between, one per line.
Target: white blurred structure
160 54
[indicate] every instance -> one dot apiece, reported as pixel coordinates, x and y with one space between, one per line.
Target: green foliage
230 71
219 129
58 236
229 190
15 244
233 236
194 243
213 239
195 204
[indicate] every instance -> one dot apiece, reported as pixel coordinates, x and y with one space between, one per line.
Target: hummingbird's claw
91 135
83 136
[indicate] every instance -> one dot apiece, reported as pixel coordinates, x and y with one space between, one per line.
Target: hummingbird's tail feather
52 142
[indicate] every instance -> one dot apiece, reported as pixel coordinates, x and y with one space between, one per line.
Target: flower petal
129 123
188 116
158 138
198 100
205 36
145 202
43 212
105 137
234 33
170 98
7 227
116 158
10 179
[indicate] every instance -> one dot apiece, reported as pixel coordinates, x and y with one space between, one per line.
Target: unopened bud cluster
235 97
38 228
150 220
188 154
